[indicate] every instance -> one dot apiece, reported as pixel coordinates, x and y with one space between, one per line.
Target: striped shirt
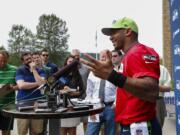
7 76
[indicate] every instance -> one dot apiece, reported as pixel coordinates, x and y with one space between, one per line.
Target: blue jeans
155 128
106 117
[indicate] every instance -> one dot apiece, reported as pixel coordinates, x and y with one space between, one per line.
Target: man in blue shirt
28 79
53 69
47 63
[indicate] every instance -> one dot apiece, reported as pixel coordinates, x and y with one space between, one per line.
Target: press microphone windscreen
63 71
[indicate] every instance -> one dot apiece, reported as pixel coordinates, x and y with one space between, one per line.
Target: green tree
52 35
2 48
20 39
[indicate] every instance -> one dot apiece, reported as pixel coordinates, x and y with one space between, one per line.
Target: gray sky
85 17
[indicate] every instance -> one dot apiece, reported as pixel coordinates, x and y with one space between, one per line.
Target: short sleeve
19 75
142 62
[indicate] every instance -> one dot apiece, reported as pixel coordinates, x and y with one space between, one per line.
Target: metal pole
96 45
54 126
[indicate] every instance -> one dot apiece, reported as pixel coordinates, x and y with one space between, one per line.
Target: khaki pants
34 126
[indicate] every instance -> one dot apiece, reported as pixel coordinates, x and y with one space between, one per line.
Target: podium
11 111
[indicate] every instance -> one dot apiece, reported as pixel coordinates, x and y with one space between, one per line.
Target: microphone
63 71
43 88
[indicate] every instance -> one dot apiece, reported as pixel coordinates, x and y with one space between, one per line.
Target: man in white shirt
164 86
93 92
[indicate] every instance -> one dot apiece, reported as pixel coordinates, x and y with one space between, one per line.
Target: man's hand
32 66
13 87
6 89
100 69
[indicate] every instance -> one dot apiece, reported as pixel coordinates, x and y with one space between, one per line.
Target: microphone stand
53 81
53 97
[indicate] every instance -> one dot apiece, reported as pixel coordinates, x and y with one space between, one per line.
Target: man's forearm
38 78
117 79
27 85
163 88
145 88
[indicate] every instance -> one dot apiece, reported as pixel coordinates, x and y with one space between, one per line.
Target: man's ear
128 32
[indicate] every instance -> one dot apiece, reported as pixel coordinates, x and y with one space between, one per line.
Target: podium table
11 111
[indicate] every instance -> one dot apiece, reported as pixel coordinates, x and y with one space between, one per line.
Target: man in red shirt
137 79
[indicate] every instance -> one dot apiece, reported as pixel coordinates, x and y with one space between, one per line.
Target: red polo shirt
138 62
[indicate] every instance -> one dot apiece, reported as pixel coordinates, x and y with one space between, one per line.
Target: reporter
7 83
28 79
72 80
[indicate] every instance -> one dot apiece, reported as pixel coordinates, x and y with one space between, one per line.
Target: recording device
25 108
52 101
43 110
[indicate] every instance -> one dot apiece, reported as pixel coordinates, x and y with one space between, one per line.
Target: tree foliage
20 39
2 48
52 35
